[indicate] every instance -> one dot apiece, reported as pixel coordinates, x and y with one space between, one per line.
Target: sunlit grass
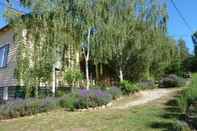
146 118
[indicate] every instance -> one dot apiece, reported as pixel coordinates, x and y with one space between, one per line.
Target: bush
128 87
92 98
175 67
27 107
71 76
147 84
60 93
115 92
172 81
76 100
182 103
187 103
187 75
68 102
181 126
188 97
192 115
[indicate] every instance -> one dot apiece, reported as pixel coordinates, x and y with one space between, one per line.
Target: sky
176 27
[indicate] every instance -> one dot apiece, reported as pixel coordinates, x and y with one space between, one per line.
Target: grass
160 115
143 118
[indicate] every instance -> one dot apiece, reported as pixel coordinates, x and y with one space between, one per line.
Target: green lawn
150 117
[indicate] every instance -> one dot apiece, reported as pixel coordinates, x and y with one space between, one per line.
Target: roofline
4 27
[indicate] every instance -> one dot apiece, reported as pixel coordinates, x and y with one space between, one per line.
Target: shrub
92 98
181 126
182 103
128 87
68 102
147 84
187 75
72 76
59 93
27 107
172 81
187 103
115 92
48 104
188 97
101 85
192 115
175 68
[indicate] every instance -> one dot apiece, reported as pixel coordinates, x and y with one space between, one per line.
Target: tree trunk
147 73
87 56
63 57
121 74
87 75
101 70
37 84
54 81
97 71
36 91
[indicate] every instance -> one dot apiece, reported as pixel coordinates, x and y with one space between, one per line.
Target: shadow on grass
166 126
170 115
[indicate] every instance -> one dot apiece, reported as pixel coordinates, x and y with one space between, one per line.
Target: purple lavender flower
84 92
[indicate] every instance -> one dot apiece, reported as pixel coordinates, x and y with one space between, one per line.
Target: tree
183 50
194 39
43 38
128 36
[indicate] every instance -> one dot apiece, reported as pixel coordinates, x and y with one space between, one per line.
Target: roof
4 27
8 25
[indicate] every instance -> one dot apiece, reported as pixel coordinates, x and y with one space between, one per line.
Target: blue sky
176 27
15 4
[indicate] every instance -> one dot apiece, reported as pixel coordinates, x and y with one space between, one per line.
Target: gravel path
146 97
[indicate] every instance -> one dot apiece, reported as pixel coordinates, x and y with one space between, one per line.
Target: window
3 56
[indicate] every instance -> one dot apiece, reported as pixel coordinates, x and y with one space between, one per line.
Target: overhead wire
181 16
12 8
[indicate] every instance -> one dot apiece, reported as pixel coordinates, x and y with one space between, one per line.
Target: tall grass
188 96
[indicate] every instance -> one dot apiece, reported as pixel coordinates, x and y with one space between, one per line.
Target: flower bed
83 99
78 99
20 107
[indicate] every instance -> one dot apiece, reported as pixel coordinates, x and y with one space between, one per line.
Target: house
8 64
8 80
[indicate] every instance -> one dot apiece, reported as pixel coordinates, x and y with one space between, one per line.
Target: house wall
7 78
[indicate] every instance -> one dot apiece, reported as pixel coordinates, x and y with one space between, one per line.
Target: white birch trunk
121 74
87 75
54 81
5 93
87 60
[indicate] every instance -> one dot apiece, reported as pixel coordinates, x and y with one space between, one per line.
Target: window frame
1 47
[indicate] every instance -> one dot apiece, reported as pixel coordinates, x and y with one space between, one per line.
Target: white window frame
2 62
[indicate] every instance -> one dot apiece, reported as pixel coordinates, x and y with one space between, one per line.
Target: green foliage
132 41
188 97
115 92
72 76
92 98
127 87
102 85
147 84
175 67
172 81
181 126
183 50
69 102
59 93
20 108
182 103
